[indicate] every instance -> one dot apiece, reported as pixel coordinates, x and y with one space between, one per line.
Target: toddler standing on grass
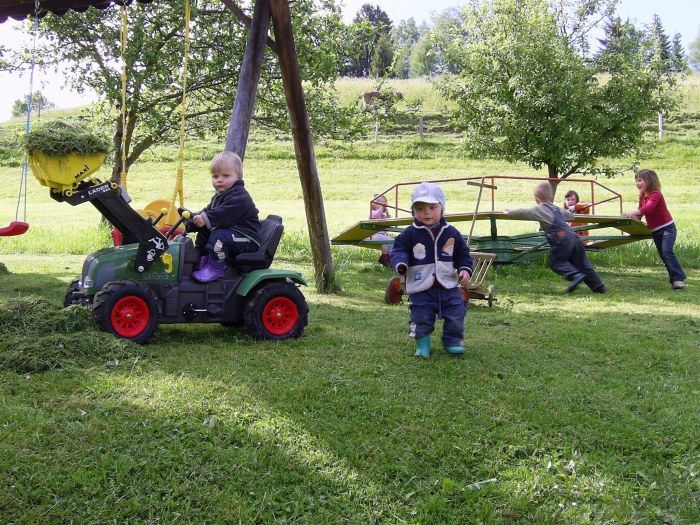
659 220
435 260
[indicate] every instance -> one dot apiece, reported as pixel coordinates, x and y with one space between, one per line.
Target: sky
677 16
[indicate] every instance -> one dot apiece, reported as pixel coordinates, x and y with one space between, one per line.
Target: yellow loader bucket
62 173
153 209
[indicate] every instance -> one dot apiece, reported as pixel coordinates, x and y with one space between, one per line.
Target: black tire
275 310
73 295
127 309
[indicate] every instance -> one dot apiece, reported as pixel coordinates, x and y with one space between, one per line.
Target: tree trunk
242 113
326 280
661 125
553 173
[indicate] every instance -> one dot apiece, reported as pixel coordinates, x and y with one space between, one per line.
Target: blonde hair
650 178
228 160
543 191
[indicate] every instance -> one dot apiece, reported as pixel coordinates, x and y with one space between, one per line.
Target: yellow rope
178 190
124 32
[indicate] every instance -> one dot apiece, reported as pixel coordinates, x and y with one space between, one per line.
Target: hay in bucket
57 138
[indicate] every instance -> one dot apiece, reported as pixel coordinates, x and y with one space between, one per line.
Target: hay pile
62 137
37 336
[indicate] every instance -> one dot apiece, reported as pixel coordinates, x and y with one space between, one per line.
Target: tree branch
247 21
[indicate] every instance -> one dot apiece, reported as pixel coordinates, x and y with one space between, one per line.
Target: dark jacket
233 208
429 257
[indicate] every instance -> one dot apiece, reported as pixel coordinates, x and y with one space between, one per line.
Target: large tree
620 38
90 43
679 64
526 92
368 46
404 36
429 55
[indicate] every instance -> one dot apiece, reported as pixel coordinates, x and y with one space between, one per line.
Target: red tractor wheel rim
130 316
280 315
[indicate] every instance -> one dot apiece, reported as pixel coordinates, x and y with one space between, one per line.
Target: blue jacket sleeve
462 257
399 254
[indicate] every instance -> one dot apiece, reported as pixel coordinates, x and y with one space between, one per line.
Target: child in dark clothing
436 262
229 225
567 256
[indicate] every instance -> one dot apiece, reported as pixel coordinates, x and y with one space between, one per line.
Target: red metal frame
493 178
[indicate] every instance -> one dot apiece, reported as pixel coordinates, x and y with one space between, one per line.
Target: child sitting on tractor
436 262
229 225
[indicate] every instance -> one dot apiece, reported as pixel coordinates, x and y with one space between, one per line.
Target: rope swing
156 207
18 227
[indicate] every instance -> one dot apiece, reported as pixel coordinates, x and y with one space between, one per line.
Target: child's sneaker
678 285
423 346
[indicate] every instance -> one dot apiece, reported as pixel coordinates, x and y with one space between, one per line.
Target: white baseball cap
428 192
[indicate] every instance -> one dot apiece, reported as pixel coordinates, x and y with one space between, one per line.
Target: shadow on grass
566 408
48 285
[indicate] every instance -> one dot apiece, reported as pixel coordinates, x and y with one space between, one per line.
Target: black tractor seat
271 230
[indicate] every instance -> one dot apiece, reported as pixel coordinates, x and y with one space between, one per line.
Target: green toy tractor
147 280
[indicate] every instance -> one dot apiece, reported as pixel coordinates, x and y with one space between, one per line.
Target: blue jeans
435 303
664 239
223 242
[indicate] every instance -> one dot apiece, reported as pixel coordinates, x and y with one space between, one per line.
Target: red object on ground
394 290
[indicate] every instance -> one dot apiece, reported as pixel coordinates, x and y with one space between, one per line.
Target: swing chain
22 193
123 39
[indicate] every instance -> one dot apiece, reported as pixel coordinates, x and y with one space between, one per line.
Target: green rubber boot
423 346
454 350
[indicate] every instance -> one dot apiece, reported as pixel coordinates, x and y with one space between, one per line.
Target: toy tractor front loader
147 280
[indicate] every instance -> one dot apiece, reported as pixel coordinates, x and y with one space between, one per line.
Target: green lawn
566 409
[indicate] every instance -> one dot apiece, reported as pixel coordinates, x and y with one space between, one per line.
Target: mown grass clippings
65 136
38 336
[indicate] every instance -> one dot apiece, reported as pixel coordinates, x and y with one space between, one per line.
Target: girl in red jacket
660 222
